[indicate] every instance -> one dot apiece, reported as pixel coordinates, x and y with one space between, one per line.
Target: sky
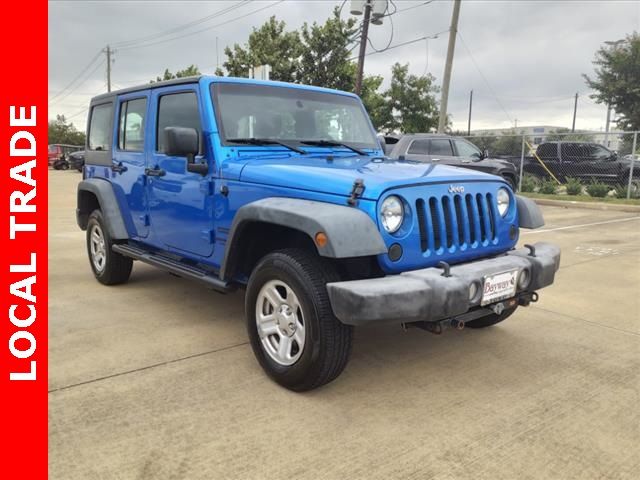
523 60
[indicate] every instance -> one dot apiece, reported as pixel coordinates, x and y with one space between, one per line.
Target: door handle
154 172
119 168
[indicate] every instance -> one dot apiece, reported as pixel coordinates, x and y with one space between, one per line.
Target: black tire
64 166
512 182
492 319
327 343
114 268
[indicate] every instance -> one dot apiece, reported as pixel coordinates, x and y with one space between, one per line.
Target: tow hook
526 298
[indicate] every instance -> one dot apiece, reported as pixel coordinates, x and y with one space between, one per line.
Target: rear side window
441 147
419 147
100 127
131 125
177 110
548 150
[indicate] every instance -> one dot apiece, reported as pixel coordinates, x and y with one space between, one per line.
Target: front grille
449 223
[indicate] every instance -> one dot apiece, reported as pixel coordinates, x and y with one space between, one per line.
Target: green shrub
529 183
548 187
597 189
621 190
574 187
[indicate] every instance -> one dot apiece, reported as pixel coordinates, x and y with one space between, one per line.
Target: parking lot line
569 227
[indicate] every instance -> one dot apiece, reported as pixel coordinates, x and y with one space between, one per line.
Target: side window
572 151
440 146
598 152
131 125
466 149
548 150
100 127
419 147
177 110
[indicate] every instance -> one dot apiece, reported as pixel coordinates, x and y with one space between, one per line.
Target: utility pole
108 52
453 33
470 107
575 110
363 45
606 128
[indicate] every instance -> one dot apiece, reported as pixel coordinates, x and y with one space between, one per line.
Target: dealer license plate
499 287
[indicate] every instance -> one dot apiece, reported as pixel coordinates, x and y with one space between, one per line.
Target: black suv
454 151
581 160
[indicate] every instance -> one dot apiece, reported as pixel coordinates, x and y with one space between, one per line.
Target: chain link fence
572 164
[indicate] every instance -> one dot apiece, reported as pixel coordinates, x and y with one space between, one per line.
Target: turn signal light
321 239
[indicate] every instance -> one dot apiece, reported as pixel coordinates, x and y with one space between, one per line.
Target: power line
484 78
203 29
409 8
60 98
129 43
76 77
409 42
390 38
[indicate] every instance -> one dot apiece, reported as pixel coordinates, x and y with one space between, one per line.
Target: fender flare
529 213
350 232
103 191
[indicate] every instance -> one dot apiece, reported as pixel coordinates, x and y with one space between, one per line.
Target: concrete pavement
155 379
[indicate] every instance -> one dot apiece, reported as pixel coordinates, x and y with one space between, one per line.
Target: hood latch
356 191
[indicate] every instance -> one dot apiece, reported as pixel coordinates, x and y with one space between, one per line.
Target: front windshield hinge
356 191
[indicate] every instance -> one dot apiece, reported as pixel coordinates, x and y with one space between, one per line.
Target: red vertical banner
23 233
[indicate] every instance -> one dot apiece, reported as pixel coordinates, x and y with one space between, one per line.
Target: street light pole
453 33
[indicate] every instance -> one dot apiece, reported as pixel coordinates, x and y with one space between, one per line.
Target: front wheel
294 335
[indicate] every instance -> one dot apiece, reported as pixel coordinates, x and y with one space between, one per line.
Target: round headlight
391 214
503 199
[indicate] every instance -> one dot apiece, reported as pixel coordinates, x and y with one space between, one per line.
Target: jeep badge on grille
456 189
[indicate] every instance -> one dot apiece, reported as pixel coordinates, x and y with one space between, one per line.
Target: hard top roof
216 79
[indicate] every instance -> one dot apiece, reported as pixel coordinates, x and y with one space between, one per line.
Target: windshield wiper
331 143
265 141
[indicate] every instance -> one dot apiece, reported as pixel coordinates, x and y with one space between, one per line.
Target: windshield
291 115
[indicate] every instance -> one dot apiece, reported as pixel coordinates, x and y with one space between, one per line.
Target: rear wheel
492 319
109 267
294 335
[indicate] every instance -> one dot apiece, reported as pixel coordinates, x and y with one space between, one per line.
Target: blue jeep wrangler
284 190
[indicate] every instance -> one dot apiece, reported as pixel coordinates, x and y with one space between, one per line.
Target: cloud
523 59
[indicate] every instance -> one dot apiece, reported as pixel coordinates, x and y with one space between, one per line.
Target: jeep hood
336 176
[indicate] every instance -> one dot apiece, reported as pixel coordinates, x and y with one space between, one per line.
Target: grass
583 198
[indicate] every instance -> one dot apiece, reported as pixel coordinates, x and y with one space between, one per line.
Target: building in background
539 133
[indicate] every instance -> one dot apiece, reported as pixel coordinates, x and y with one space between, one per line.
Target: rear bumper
427 295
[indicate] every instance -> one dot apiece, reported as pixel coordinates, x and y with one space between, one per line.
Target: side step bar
175 267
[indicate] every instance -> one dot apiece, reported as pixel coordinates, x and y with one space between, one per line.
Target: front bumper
427 295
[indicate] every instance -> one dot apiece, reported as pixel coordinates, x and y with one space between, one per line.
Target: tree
267 45
617 80
190 71
412 101
324 54
564 134
375 102
62 132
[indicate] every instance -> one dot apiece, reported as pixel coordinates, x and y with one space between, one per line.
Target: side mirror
485 154
184 142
